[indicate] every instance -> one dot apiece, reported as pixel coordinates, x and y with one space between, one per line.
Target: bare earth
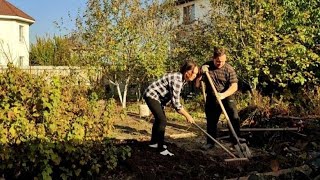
273 153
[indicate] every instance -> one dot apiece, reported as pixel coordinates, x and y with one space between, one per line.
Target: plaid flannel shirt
222 78
167 88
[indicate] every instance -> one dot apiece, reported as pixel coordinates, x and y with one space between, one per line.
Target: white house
14 35
193 11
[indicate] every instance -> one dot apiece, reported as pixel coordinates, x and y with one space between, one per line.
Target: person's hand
221 96
205 68
190 119
199 76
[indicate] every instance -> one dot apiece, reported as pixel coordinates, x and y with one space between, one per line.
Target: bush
50 127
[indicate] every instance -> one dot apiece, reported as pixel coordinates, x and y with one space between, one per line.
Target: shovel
241 148
234 159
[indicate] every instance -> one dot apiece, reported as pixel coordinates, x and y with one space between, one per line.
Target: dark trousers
213 112
160 121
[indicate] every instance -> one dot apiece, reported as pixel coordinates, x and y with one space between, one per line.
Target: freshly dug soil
272 152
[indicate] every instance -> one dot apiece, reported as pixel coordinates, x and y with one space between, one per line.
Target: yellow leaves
53 128
13 132
31 130
77 132
41 123
115 9
10 115
18 141
3 135
41 131
35 114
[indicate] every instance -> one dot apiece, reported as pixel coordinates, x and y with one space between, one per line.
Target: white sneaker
166 152
156 146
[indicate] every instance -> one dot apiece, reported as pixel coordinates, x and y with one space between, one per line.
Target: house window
20 63
21 34
188 14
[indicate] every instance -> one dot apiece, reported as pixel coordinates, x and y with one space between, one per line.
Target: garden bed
277 155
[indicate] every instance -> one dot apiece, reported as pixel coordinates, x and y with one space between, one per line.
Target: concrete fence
85 75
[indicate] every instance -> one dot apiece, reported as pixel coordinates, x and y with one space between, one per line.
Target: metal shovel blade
243 150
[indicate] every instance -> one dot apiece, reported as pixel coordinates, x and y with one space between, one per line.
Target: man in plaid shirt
159 93
225 80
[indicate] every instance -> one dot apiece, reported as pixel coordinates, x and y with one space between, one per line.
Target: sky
46 12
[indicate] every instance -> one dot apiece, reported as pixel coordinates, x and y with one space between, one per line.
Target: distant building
14 35
192 11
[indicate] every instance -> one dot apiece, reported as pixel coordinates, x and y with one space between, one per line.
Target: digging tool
203 90
234 158
241 148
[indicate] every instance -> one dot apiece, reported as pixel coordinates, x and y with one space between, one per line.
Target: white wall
202 10
11 48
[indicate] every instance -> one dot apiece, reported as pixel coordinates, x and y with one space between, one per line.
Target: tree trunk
119 92
124 102
138 92
125 92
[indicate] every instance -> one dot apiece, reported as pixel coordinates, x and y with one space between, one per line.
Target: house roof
9 10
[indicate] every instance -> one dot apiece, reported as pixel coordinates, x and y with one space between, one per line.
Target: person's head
189 70
219 57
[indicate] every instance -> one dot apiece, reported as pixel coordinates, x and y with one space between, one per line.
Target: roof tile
8 9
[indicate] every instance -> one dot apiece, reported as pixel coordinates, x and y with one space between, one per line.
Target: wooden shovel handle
222 107
224 148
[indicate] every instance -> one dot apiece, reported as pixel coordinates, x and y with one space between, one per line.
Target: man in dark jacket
225 81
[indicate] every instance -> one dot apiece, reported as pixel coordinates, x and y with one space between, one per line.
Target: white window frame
20 62
21 33
188 14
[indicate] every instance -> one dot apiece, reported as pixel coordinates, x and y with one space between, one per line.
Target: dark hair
188 65
218 51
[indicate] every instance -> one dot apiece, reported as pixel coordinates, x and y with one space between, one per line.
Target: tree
193 40
130 38
270 41
55 51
